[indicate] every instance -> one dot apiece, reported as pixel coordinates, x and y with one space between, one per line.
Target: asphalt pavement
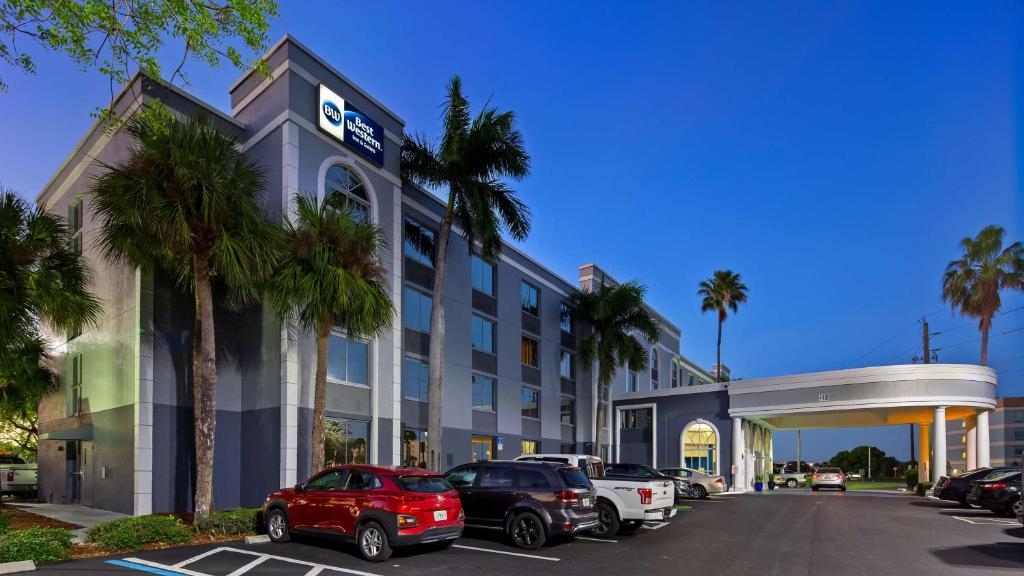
790 534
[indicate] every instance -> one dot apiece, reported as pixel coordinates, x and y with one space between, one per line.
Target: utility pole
798 471
869 461
924 341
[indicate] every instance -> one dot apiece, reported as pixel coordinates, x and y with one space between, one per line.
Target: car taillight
407 521
993 487
462 514
840 476
646 495
568 496
815 475
719 480
10 475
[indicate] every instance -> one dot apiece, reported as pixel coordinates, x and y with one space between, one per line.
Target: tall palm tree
474 155
973 282
187 202
329 275
614 314
722 292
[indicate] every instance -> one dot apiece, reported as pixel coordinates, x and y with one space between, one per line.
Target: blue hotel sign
347 124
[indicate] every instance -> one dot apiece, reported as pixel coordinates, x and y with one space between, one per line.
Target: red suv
378 507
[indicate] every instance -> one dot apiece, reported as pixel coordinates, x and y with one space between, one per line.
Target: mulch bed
21 518
90 550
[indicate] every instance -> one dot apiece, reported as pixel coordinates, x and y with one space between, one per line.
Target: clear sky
832 154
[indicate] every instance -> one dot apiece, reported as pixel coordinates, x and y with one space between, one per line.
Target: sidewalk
83 516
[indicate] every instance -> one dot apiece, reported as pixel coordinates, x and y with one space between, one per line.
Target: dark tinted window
359 480
11 460
424 484
575 478
462 477
497 477
829 470
532 479
1004 476
327 481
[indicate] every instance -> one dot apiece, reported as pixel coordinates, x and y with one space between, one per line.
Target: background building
1007 435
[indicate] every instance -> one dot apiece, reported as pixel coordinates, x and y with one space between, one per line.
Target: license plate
440 515
585 502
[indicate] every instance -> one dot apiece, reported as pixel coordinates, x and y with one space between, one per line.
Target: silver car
703 484
828 478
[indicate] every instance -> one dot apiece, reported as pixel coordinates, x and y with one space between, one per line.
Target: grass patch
138 531
684 507
232 522
874 485
37 544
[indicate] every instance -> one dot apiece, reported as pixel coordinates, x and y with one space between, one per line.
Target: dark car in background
1000 493
683 487
377 507
954 488
528 501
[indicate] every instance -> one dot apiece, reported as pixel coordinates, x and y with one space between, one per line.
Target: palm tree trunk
986 324
204 386
718 353
435 390
323 336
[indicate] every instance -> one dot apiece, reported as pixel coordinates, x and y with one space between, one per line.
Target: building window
675 375
414 448
567 365
483 275
1016 416
416 310
700 444
655 369
632 378
567 448
568 410
531 402
691 380
75 224
529 353
530 298
528 447
346 441
347 360
483 393
75 404
567 318
483 334
345 190
1018 434
483 448
602 415
636 419
419 243
415 379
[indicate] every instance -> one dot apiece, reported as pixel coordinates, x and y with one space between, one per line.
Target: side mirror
300 488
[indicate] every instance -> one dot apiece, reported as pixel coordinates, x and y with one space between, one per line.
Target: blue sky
832 154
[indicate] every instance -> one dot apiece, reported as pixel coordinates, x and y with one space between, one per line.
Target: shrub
910 476
241 521
5 523
137 531
923 487
37 544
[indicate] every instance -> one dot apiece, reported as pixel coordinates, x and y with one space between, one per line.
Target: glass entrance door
699 445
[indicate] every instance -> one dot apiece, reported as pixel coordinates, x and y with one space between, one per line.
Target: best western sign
347 124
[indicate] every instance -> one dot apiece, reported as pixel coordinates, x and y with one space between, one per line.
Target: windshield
575 478
1004 475
829 470
424 484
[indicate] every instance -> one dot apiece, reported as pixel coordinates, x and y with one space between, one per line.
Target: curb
261 539
14 567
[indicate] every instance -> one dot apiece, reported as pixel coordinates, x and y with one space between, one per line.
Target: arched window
344 188
699 447
654 367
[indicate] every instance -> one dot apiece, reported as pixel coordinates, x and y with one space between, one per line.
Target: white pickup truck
622 504
17 478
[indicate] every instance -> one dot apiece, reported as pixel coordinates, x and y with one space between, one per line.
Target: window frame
472 334
655 367
632 381
572 410
332 187
566 311
494 392
405 301
474 260
572 364
336 332
522 402
536 351
524 285
409 249
418 360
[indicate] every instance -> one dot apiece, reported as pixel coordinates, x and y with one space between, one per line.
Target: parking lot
786 533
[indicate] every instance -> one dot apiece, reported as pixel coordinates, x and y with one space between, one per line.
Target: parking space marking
243 569
162 567
656 525
589 539
199 557
261 557
987 521
143 568
520 554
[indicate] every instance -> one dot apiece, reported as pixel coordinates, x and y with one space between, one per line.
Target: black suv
644 472
529 501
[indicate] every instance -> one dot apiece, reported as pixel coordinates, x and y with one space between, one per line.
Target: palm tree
187 203
474 155
614 314
973 282
722 292
330 274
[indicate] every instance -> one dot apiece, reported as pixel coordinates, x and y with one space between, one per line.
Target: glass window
602 415
529 353
531 402
632 379
1017 416
414 448
415 379
424 484
346 190
416 310
568 410
567 318
361 480
347 360
463 477
655 368
530 298
75 225
639 418
675 376
346 441
497 477
528 447
483 334
75 405
531 478
483 448
699 444
567 365
419 243
483 393
326 481
483 275
1018 434
576 478
567 448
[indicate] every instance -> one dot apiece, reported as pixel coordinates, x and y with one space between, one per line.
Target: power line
978 339
891 338
938 332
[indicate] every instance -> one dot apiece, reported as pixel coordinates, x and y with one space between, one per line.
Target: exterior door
495 494
87 472
311 508
74 471
353 500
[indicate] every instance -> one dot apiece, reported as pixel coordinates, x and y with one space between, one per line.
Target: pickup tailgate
632 495
18 477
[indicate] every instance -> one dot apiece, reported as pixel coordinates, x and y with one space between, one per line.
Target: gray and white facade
118 433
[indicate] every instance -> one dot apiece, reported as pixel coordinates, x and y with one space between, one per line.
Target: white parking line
656 525
243 569
987 521
520 554
261 557
165 567
588 538
199 557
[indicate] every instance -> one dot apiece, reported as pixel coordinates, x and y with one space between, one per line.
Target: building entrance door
74 471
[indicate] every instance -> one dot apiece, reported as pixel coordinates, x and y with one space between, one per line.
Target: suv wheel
608 521
277 526
699 492
791 483
373 542
527 531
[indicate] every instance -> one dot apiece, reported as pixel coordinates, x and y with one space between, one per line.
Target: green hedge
38 544
910 476
5 523
233 522
923 487
138 531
